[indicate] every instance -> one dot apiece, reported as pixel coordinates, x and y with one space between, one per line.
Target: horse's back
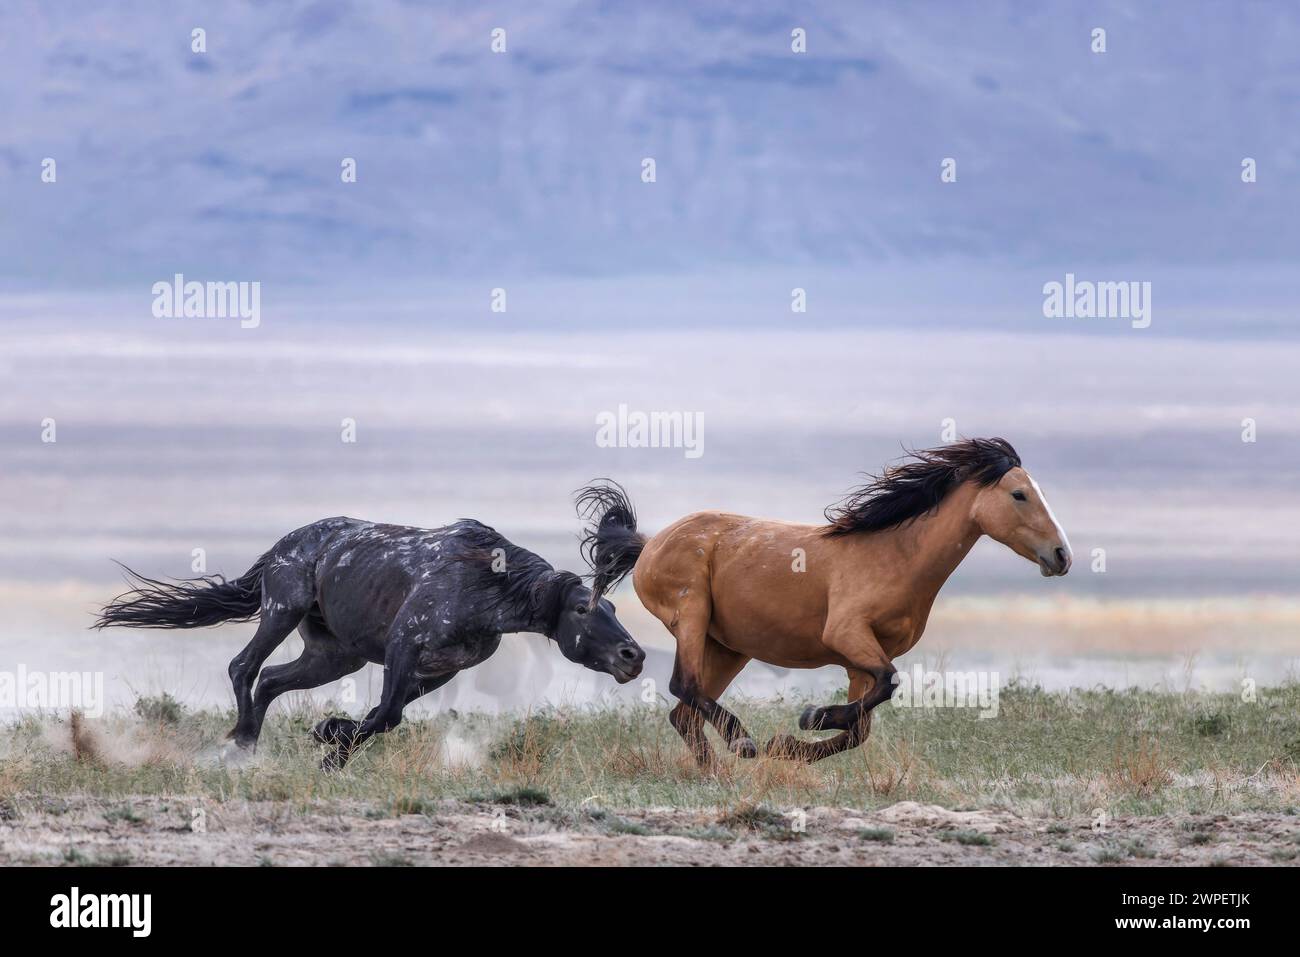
365 573
330 534
751 574
304 542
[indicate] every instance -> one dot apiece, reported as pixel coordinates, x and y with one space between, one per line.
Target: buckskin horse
425 603
855 592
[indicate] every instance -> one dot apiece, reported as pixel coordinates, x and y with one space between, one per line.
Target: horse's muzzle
626 663
1057 564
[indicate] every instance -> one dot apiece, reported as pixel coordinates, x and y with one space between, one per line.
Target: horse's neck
522 615
935 544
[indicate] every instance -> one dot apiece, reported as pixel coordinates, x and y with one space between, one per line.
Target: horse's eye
1018 495
581 609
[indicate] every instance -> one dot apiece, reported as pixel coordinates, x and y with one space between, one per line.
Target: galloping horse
855 592
426 603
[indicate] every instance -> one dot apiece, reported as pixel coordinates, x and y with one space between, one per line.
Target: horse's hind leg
286 598
321 662
721 665
701 673
271 631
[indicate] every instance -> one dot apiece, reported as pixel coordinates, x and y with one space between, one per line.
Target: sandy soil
157 831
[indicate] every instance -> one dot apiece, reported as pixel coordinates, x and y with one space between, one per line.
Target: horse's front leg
701 672
400 660
871 682
866 690
334 731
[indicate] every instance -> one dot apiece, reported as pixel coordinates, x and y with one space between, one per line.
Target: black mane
529 584
916 487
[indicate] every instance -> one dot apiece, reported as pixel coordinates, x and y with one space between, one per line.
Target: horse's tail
611 544
188 603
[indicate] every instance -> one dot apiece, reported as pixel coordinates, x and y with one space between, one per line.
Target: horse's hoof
806 718
323 731
334 731
239 739
744 748
233 753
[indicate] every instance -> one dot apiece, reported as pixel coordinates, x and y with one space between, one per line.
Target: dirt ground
172 831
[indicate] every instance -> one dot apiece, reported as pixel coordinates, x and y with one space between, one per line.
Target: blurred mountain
226 164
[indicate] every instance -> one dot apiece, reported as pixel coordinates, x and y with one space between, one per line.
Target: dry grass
1143 753
1141 768
889 772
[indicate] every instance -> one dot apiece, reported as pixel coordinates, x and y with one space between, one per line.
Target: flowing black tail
188 603
611 545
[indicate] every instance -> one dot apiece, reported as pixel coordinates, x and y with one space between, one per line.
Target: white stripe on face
1065 541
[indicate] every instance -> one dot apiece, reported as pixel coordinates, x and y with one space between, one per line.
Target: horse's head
1013 511
589 634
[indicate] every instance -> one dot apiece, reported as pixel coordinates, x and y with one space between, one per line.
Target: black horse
426 603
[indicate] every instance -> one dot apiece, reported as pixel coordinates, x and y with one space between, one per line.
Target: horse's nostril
1062 558
629 653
